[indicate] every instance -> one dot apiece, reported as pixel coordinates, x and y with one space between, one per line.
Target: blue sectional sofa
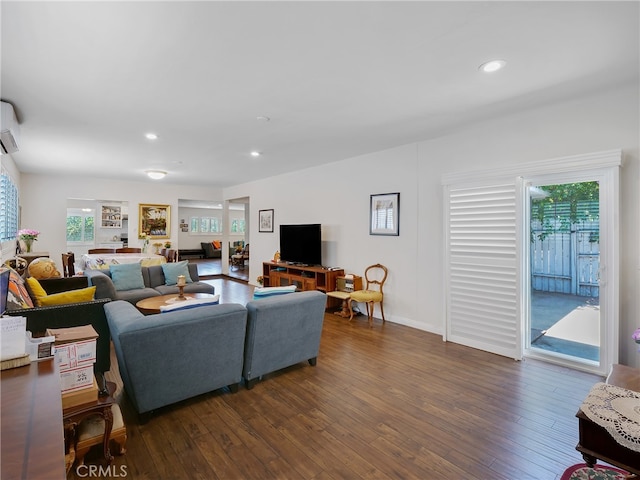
154 284
172 356
281 331
169 357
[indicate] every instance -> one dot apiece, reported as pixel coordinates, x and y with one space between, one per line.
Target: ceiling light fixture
492 66
255 153
151 136
262 118
156 174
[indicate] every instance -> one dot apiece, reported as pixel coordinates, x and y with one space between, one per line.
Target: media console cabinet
304 278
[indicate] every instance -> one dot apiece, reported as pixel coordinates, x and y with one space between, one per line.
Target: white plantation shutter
482 278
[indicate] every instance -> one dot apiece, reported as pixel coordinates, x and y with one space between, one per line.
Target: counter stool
91 431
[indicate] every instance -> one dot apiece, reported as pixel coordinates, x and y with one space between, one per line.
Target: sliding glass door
565 289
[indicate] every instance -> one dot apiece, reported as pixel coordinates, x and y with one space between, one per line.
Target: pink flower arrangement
27 234
636 335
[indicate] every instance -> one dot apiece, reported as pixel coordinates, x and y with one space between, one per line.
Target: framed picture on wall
265 221
385 214
154 220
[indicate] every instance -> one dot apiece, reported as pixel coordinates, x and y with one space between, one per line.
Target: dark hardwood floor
387 402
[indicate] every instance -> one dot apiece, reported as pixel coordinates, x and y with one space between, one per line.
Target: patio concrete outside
567 324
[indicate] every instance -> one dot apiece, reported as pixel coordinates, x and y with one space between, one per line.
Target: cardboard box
72 334
75 347
76 379
80 397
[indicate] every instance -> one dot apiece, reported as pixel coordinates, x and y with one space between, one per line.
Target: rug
599 472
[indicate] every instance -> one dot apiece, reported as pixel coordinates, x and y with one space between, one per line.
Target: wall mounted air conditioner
9 129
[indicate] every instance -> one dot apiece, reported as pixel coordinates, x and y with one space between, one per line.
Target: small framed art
385 214
265 221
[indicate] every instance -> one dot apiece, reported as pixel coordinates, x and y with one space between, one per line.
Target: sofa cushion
172 270
265 292
72 296
127 276
18 295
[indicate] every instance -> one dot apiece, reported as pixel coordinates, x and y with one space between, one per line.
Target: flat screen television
301 244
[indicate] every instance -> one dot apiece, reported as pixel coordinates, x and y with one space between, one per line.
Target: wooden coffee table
152 304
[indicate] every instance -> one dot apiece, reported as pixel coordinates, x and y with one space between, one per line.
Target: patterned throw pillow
18 296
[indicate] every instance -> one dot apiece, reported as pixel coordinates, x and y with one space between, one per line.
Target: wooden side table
72 417
595 442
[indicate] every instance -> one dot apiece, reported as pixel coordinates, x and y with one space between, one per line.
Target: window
80 226
8 208
237 226
205 225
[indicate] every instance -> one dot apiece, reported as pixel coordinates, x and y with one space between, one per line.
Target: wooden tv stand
303 277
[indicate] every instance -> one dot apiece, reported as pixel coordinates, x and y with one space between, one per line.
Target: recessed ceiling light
255 153
156 174
492 66
151 136
262 118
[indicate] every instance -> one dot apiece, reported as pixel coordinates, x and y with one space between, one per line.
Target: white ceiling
337 79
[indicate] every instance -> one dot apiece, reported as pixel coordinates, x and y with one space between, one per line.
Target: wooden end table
72 417
595 442
152 304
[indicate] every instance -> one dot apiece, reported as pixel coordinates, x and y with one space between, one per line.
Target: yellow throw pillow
36 289
71 296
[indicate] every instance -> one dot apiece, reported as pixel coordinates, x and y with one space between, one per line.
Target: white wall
337 196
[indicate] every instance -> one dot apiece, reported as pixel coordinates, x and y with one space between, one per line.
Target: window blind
482 270
8 207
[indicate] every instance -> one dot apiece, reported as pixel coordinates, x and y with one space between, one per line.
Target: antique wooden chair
128 250
68 264
375 276
102 250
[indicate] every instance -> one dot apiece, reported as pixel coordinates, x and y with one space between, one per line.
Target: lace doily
617 410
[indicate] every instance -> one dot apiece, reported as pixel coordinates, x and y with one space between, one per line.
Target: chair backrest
68 264
102 250
128 250
163 252
375 275
245 251
172 255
